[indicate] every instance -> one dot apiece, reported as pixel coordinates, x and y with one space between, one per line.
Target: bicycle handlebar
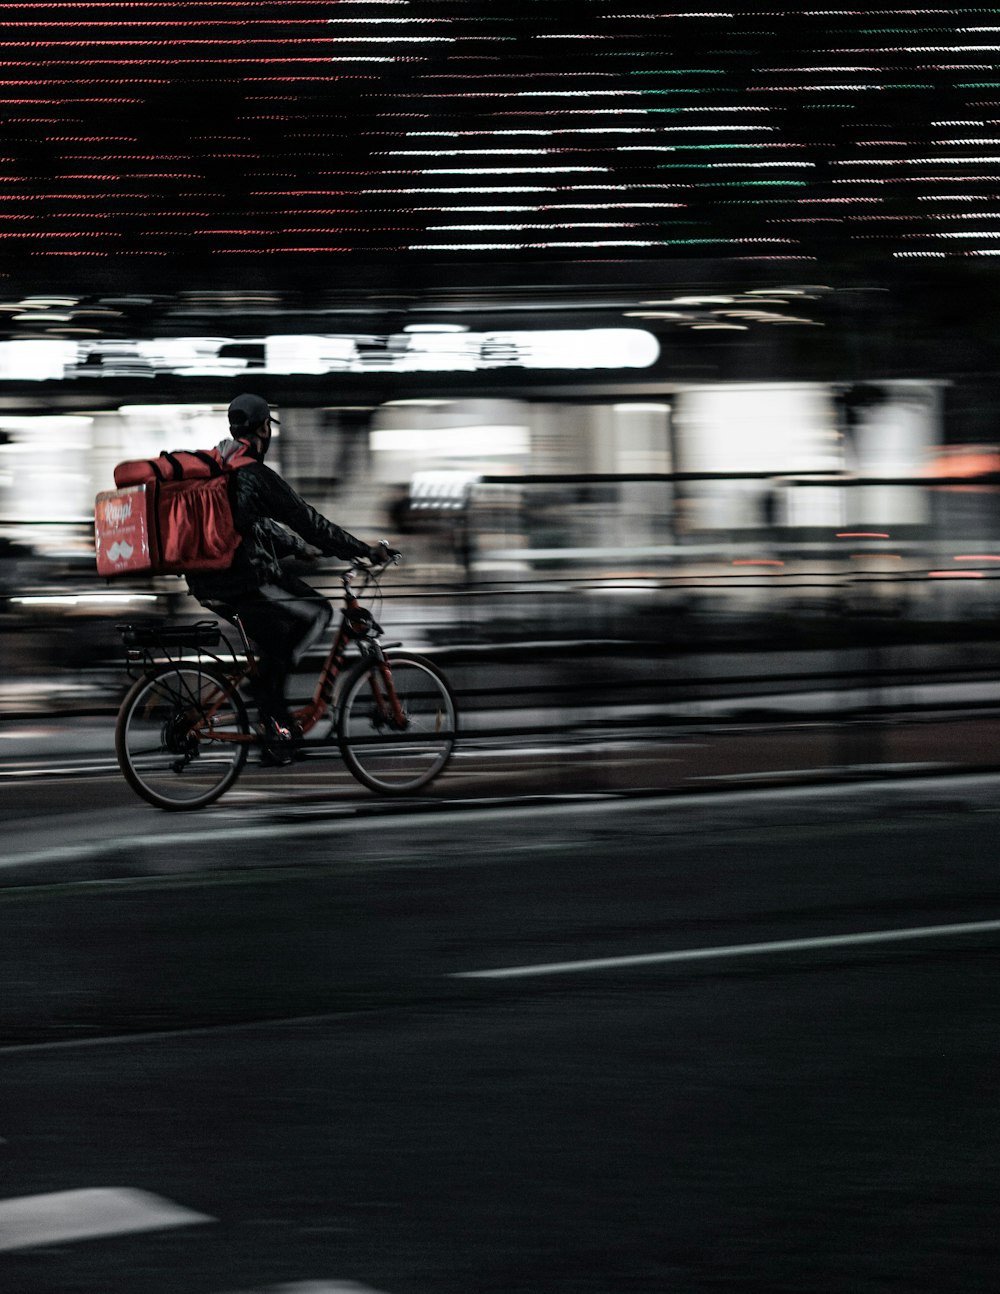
392 558
392 555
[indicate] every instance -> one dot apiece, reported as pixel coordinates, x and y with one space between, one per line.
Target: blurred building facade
575 289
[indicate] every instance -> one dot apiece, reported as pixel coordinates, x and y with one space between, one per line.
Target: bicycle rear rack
155 644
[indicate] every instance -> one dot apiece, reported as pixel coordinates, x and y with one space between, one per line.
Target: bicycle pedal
280 754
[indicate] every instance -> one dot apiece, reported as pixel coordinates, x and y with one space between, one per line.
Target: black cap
247 412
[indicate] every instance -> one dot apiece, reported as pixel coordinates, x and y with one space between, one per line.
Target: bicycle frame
356 625
363 631
183 731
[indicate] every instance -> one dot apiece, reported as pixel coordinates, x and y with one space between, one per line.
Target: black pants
282 620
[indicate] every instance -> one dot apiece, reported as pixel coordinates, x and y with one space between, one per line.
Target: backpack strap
212 463
181 470
175 465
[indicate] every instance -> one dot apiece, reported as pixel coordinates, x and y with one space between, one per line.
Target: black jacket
274 522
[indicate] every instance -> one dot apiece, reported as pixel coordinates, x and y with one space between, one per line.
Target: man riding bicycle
281 614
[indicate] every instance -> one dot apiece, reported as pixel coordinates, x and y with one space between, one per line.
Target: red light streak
62 233
90 80
193 40
165 22
158 4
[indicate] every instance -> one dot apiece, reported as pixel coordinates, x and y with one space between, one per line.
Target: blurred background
674 342
772 543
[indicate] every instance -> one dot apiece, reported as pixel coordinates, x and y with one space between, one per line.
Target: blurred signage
413 351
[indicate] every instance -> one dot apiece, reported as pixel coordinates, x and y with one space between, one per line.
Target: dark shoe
278 743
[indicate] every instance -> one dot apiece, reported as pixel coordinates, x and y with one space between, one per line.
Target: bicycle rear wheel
396 752
177 736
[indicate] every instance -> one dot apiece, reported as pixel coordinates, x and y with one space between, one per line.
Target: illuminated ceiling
274 142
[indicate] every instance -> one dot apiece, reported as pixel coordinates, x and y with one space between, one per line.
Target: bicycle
183 733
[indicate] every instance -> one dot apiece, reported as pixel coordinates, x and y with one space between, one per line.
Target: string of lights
214 129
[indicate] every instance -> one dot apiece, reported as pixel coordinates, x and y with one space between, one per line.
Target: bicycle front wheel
182 736
396 723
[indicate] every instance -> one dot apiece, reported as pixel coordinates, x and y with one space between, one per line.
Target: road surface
732 1043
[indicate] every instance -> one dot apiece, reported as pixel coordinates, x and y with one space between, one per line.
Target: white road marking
363 815
349 815
54 771
736 950
318 1287
171 1035
30 1220
357 815
516 972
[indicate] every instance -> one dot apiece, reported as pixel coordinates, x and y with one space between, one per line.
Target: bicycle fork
387 700
389 707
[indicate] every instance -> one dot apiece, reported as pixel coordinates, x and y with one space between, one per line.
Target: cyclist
281 614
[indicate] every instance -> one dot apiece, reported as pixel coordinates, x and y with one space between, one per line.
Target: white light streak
725 951
590 130
512 170
469 210
412 40
475 188
716 129
474 441
506 247
80 599
466 152
534 188
913 161
716 166
585 206
339 353
838 68
822 89
572 94
541 228
436 327
949 49
597 112
655 17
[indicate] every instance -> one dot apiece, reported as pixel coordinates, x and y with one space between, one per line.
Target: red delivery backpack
169 515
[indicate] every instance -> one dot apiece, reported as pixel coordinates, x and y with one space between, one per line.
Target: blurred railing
659 616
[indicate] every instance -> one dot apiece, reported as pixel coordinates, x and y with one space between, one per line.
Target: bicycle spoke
169 737
378 753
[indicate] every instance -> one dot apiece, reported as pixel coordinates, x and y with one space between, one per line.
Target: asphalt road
257 1060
